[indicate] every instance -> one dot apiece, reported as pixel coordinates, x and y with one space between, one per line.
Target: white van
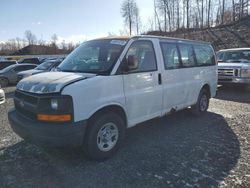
234 67
107 85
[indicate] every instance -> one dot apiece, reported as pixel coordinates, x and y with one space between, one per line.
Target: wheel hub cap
107 136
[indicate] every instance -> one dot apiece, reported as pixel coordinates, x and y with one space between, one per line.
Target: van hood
50 82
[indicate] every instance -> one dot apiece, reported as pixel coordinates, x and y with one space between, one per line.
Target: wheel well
207 88
112 108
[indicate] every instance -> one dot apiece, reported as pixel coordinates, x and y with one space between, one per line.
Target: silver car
234 66
9 74
44 67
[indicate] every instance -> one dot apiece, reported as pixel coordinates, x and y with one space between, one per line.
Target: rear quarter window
204 55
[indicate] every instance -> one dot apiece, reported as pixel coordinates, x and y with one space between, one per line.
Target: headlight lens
245 72
54 104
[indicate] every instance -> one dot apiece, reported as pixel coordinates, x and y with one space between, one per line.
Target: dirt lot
175 151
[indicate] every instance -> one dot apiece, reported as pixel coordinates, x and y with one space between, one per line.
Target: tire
104 136
4 82
202 103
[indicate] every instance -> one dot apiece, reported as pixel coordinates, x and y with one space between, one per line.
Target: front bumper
47 134
233 80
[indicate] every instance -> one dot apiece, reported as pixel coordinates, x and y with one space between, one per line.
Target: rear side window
144 53
187 55
170 55
204 55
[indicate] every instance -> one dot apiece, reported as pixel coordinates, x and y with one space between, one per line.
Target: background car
9 74
6 63
33 60
44 67
2 96
234 67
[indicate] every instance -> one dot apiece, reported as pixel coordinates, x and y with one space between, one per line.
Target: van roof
233 49
150 36
170 38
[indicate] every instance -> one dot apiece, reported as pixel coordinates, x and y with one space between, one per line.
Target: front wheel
202 103
104 136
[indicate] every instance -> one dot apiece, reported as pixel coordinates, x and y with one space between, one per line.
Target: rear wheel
202 103
104 136
4 82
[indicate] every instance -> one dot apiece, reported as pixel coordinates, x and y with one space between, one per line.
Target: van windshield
234 56
97 56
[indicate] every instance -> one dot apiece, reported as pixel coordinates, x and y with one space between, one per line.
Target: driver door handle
159 79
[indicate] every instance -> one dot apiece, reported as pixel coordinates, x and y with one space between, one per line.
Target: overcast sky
71 20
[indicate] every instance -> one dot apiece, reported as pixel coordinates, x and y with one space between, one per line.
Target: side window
28 61
144 54
28 67
170 55
187 55
204 55
19 69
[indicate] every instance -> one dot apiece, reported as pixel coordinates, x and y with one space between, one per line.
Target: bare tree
54 39
137 20
130 12
31 38
187 12
223 11
208 12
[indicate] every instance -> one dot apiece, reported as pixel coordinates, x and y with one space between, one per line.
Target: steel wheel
107 136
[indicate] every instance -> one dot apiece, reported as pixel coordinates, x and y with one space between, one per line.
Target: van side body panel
92 94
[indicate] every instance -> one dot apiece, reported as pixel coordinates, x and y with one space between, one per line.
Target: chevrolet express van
108 85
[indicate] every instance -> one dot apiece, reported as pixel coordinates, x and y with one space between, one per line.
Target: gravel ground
175 151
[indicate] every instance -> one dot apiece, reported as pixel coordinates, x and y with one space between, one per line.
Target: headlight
55 108
245 72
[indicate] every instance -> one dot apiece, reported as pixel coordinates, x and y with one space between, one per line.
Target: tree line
53 47
172 15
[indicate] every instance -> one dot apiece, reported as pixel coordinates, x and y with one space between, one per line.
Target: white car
2 96
234 67
108 85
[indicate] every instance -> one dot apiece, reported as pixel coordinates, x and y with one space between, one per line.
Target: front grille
26 104
226 72
229 72
25 112
26 97
225 80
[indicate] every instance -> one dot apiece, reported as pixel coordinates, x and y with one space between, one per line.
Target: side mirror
130 63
